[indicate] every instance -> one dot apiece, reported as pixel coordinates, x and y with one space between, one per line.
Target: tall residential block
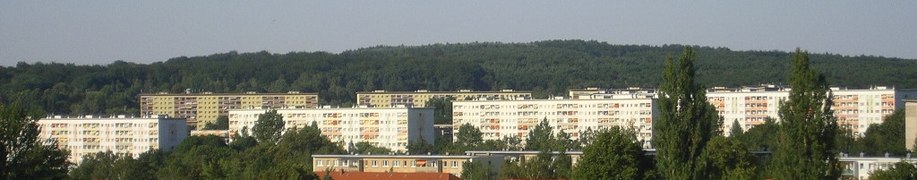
204 108
391 128
855 109
419 98
910 124
507 118
121 135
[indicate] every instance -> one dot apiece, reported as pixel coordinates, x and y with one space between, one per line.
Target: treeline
545 67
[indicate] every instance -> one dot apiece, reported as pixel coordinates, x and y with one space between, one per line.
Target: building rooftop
388 175
224 94
395 156
440 92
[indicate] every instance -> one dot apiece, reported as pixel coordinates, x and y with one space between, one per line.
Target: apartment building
452 164
121 135
419 98
390 128
203 108
910 124
500 118
855 109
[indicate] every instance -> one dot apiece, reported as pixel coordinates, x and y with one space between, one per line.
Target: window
374 163
384 163
454 164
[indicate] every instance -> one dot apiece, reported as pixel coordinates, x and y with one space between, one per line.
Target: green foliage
727 158
443 109
615 154
108 165
222 123
467 138
736 129
808 128
541 137
686 121
761 137
887 137
269 127
901 170
547 67
478 170
25 155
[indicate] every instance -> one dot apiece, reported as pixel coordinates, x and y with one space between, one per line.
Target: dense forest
545 67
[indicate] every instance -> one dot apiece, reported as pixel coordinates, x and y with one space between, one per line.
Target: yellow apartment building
206 107
401 163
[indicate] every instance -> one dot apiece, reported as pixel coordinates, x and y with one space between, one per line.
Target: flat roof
531 100
438 92
395 156
335 108
224 94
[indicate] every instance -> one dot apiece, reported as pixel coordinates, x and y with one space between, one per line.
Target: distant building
862 167
121 135
855 109
391 128
206 107
419 98
218 133
501 118
444 130
452 164
910 121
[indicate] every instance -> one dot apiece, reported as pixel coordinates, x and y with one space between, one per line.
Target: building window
384 163
374 163
454 164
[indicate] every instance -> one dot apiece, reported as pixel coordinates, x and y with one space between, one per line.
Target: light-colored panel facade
121 135
419 98
206 107
391 128
910 124
452 164
855 109
497 119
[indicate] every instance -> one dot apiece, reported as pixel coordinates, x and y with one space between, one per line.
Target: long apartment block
203 108
855 109
391 128
419 98
507 118
121 135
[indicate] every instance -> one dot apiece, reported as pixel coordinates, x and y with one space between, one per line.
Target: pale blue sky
99 32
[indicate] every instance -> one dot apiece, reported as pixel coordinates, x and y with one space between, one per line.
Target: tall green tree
443 109
806 147
615 154
269 127
222 123
468 137
686 122
727 158
478 170
887 137
736 129
25 154
541 137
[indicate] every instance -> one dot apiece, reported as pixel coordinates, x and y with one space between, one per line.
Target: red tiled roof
387 175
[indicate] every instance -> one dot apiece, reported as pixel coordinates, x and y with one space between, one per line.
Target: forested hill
546 67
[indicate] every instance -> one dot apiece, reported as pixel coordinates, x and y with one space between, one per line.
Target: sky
100 32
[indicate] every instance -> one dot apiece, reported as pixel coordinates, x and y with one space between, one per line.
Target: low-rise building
419 98
502 118
862 167
391 128
121 135
452 164
203 108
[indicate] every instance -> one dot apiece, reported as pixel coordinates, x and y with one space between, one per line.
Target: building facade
855 109
121 135
498 119
910 124
419 98
204 108
452 164
391 128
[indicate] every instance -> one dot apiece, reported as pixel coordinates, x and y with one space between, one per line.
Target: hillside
546 67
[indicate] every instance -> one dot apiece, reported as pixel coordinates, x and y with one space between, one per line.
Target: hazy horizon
145 32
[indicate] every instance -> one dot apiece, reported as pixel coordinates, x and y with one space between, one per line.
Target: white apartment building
391 128
497 119
121 135
855 109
